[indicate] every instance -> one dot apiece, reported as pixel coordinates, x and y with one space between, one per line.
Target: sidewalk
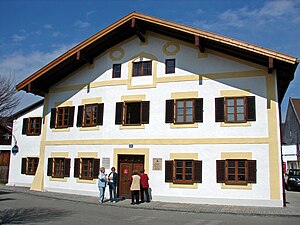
292 209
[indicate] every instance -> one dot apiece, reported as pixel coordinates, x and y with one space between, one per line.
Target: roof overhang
135 24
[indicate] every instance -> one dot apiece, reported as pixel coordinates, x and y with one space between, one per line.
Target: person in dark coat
112 183
144 186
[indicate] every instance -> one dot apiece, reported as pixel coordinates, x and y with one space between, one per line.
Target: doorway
126 165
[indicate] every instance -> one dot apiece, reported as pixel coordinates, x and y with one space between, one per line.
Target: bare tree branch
9 99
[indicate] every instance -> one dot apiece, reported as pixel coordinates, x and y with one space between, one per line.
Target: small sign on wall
157 164
106 163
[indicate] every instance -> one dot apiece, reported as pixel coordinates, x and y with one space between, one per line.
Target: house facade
198 111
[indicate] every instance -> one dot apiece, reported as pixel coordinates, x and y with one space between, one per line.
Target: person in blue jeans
112 183
102 180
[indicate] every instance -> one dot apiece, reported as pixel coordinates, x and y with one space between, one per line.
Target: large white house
198 111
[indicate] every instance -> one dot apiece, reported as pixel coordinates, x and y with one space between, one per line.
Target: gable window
170 66
32 126
90 115
58 167
239 171
235 109
62 117
183 171
29 165
143 68
184 111
86 168
116 71
132 113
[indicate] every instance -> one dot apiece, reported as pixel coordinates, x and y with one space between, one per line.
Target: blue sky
34 32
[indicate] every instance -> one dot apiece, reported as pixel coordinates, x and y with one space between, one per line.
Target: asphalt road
23 208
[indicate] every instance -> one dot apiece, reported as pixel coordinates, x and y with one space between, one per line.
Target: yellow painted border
94 181
132 151
234 93
128 127
114 50
176 126
247 124
184 95
89 128
125 98
59 154
60 129
87 154
91 100
239 187
63 104
58 179
167 45
236 155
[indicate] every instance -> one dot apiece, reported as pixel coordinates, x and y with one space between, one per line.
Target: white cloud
81 24
48 26
18 38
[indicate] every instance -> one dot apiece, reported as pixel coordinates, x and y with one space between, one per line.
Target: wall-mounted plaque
157 164
106 163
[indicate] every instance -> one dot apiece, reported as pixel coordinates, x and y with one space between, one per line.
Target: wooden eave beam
139 32
199 43
270 65
85 57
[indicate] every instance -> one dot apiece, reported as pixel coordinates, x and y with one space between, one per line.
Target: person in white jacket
102 180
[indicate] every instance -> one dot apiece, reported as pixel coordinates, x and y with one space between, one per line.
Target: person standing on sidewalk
112 183
144 186
135 186
102 183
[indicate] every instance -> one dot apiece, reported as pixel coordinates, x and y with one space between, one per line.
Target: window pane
240 101
231 177
180 111
240 117
188 163
231 170
242 177
179 170
240 109
188 177
231 163
189 103
230 102
189 118
241 163
230 117
180 104
241 170
230 109
179 119
179 163
178 176
188 170
189 111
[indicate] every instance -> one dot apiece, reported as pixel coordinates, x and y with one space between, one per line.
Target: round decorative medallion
117 54
170 48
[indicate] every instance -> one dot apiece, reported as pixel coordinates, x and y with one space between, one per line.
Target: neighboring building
291 135
27 126
197 110
5 149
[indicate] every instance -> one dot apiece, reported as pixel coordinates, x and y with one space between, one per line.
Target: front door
128 163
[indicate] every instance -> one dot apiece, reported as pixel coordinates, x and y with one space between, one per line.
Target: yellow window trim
61 129
176 126
247 124
239 187
58 179
59 154
185 186
89 128
129 127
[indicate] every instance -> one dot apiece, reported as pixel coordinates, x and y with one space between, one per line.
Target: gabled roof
136 24
295 102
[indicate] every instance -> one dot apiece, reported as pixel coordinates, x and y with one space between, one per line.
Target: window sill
247 124
185 186
191 125
128 127
58 179
61 129
78 180
89 128
237 186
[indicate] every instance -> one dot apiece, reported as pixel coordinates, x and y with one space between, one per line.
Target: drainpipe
281 156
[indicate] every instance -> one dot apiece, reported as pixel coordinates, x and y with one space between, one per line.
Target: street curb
209 209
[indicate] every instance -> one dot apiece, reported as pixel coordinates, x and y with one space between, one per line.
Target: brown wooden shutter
23 166
96 168
25 125
50 165
76 167
251 171
119 113
251 114
80 116
40 121
53 118
219 109
67 165
71 116
197 171
221 171
199 110
169 111
145 112
100 109
169 171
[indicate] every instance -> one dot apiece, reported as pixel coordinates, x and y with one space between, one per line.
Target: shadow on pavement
6 199
30 215
4 192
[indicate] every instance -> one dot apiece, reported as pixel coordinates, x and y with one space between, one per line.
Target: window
184 111
90 115
183 171
235 109
62 117
142 68
116 71
239 171
132 113
170 66
29 165
58 167
32 126
86 168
